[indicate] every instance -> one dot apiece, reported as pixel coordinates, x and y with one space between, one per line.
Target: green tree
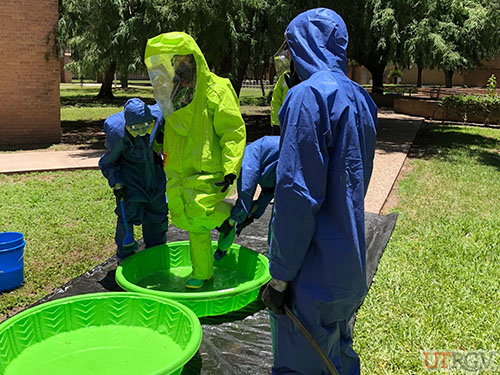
374 33
452 35
234 34
108 36
420 42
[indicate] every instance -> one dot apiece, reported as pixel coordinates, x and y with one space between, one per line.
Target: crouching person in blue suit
258 168
134 169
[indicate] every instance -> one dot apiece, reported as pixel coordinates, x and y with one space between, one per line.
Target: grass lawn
78 104
252 92
438 283
68 221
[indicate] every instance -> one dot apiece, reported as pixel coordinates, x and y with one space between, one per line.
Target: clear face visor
173 78
141 129
282 59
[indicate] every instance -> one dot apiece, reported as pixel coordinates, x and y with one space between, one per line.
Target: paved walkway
40 161
394 138
395 135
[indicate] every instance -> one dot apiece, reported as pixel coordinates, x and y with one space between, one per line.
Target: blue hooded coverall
130 161
317 244
257 168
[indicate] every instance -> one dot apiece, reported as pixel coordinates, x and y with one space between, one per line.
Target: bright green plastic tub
163 270
100 334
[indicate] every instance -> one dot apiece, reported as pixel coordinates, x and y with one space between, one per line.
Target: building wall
479 77
359 74
29 81
430 77
472 78
66 76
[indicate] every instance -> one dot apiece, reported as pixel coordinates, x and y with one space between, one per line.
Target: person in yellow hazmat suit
203 145
282 64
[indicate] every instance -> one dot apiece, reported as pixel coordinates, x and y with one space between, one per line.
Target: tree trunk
244 59
106 91
124 81
262 87
353 73
226 65
448 77
272 73
419 75
377 79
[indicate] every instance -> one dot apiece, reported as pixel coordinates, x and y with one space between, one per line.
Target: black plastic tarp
239 342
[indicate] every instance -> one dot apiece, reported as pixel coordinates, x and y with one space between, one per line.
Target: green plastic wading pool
100 334
163 270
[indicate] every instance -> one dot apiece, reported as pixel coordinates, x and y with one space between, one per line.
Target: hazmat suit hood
318 41
159 55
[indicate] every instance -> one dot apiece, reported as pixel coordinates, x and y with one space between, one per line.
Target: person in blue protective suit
317 250
258 168
135 172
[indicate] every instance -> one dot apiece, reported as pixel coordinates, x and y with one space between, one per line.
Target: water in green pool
173 280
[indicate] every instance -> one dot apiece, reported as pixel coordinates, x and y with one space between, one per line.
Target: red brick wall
66 76
29 83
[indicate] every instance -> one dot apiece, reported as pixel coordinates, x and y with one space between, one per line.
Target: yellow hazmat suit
204 140
279 93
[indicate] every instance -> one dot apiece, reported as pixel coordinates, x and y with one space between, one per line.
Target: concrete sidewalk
395 135
40 161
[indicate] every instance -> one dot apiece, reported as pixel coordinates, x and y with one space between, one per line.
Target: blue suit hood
130 160
136 112
318 41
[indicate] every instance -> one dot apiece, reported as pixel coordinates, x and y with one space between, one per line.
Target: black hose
313 342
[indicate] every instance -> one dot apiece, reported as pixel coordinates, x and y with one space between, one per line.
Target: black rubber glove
157 158
120 192
243 224
274 296
225 227
228 180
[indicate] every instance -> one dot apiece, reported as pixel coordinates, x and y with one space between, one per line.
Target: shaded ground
85 135
88 135
81 135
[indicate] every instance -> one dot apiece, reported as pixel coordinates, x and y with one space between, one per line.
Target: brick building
472 78
29 73
66 76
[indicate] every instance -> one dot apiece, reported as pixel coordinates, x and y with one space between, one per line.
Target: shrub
492 86
395 73
465 106
260 101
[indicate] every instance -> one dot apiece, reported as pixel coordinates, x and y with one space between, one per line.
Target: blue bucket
11 260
